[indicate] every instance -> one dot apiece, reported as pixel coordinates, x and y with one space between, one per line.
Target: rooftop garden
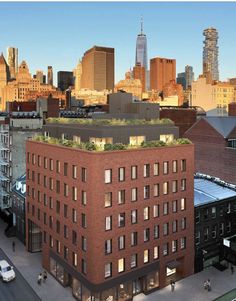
109 122
89 146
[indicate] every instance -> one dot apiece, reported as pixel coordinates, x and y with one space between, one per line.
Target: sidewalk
29 265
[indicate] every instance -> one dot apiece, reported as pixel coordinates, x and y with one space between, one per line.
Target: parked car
6 271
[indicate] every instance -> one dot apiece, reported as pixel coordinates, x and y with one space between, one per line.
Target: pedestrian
208 285
232 269
45 276
13 246
40 278
205 285
172 284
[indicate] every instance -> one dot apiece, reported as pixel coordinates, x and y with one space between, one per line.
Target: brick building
215 143
111 224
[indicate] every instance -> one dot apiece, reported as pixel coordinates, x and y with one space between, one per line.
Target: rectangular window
84 197
108 246
228 226
45 181
174 206
58 207
108 223
146 234
156 231
183 204
84 267
108 270
84 243
165 167
58 166
108 199
197 238
156 210
213 212
74 193
65 210
133 261
121 219
121 242
57 186
174 186
174 246
134 172
145 256
66 190
66 232
51 164
83 220
58 245
108 176
183 184
146 192
121 196
74 237
74 171
165 249
213 231
183 223
134 239
74 215
50 183
146 170
74 259
156 169
121 174
65 169
165 188
166 229
45 162
182 242
134 194
156 252
221 229
165 208
39 161
83 174
134 216
174 226
58 226
174 166
146 213
156 190
183 165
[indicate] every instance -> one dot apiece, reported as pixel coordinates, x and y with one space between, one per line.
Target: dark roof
223 125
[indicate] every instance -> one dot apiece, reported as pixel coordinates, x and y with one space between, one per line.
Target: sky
58 33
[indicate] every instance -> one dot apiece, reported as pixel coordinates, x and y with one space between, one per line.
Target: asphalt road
17 289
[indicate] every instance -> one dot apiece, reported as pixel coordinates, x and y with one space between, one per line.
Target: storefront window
125 291
86 294
137 286
53 267
152 280
60 273
109 295
76 289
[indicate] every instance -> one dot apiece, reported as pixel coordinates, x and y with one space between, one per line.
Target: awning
173 264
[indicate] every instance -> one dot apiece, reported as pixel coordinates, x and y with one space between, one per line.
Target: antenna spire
141 24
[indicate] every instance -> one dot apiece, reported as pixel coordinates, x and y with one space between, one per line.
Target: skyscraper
65 79
186 78
12 60
141 49
210 53
98 69
50 75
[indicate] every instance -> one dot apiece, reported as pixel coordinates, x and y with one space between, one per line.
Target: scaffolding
5 167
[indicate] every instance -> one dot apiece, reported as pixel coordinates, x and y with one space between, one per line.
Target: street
18 289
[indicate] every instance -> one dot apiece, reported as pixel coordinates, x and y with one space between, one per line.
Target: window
165 229
121 219
146 213
121 265
183 185
165 168
146 170
65 169
74 171
182 242
58 207
83 174
165 249
50 241
121 196
183 165
66 233
156 190
174 166
74 193
39 161
221 229
156 210
174 246
228 226
213 231
121 242
45 181
174 206
58 245
121 174
183 204
58 166
134 239
136 140
108 199
50 202
183 223
156 169
165 188
74 259
213 212
174 186
228 208
146 256
146 192
133 261
108 270
84 197
108 246
174 226
84 266
83 220
66 190
108 223
134 194
134 216
156 252
167 138
165 208
84 243
156 231
134 172
50 164
45 162
197 238
57 186
74 215
66 252
146 234
74 237
108 176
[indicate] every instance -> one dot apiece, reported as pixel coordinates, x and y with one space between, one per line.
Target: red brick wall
96 163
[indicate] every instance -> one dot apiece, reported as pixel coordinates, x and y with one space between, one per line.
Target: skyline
169 28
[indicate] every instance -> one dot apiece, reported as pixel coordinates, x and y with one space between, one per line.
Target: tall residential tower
12 60
210 53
